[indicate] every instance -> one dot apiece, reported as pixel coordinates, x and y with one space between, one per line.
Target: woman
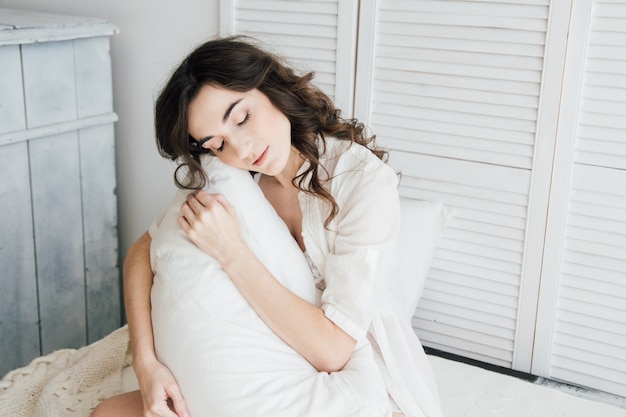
328 183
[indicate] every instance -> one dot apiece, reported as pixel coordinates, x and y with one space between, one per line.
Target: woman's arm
299 323
156 382
211 223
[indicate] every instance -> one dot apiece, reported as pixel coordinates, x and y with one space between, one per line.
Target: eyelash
243 122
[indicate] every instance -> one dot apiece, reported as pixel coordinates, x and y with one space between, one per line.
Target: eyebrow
230 109
226 115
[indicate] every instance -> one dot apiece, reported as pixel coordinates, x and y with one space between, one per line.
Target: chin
271 171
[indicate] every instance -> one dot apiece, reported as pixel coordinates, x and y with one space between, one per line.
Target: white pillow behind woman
225 358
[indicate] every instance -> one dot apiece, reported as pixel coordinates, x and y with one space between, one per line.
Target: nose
242 145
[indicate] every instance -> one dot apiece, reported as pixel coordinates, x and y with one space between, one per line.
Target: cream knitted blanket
68 382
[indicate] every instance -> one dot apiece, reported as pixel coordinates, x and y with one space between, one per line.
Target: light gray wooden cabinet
59 276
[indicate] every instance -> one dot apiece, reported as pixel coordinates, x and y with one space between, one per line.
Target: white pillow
225 358
421 228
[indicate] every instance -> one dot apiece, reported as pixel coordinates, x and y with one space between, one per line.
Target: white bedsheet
470 391
48 387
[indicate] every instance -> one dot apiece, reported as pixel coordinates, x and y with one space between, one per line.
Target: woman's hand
160 393
158 387
210 221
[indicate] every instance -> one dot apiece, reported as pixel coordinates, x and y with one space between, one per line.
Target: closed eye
245 120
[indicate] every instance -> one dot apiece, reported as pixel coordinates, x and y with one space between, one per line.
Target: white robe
354 254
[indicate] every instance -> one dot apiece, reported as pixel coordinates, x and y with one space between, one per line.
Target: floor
471 391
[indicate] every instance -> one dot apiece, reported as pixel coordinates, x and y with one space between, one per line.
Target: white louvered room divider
581 326
473 100
589 335
460 84
315 36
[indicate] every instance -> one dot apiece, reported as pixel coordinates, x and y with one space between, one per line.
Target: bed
70 382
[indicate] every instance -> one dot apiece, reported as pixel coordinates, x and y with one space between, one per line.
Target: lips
259 161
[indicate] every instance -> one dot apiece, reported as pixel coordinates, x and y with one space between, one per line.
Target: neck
285 178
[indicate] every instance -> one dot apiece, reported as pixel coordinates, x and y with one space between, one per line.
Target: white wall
153 38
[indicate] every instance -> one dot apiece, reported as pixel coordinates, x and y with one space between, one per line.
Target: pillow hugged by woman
270 297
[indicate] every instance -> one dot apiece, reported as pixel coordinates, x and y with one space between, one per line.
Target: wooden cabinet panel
99 210
94 95
19 323
59 281
55 179
49 83
11 96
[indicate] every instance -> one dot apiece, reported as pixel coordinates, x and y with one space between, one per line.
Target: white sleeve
366 229
154 226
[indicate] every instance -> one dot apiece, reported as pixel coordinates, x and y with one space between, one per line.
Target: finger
201 193
187 216
193 203
203 197
159 405
225 203
186 210
221 199
160 410
184 224
180 406
198 203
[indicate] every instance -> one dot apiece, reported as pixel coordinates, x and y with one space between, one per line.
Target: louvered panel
599 327
467 297
463 64
480 85
605 377
612 279
593 342
602 316
475 46
601 135
304 32
500 245
410 27
597 382
601 358
589 344
462 17
588 242
601 150
469 303
473 8
612 294
497 353
406 114
437 299
449 262
459 79
442 274
491 229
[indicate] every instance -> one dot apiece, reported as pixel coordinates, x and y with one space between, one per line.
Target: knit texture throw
67 382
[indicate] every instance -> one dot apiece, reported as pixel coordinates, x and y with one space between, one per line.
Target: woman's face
244 129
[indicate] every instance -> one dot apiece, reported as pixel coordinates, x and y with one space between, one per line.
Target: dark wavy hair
238 64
